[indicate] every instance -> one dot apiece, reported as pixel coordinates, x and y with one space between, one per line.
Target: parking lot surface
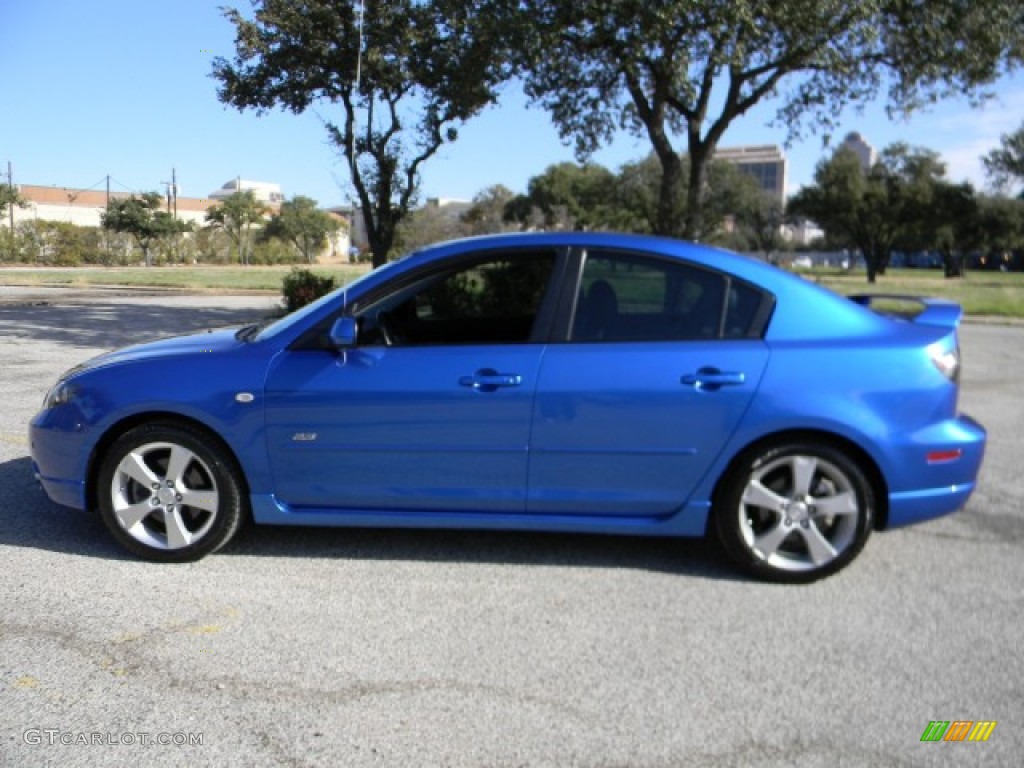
301 647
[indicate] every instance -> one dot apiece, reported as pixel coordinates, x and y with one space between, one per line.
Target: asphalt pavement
306 647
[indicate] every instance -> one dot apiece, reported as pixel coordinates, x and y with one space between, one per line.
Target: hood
208 342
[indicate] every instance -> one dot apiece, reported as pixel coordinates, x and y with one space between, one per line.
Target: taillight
946 360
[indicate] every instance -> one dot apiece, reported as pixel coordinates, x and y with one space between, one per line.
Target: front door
430 411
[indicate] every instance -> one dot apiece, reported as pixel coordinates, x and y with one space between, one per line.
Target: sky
123 88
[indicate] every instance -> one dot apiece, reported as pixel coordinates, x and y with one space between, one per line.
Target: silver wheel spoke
803 468
142 499
819 548
840 504
178 535
134 466
208 500
759 496
768 542
178 463
131 515
779 501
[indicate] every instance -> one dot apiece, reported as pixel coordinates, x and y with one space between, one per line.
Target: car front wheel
794 512
169 493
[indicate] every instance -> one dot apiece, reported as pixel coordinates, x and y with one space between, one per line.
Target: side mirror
343 332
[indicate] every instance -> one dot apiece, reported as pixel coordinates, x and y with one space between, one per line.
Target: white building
264 191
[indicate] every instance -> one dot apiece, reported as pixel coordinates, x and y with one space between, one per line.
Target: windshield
288 321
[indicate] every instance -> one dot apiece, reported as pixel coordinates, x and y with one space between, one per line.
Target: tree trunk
667 217
693 228
380 232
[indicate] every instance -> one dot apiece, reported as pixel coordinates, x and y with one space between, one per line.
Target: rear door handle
711 379
489 380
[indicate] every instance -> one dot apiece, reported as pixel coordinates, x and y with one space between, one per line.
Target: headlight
63 392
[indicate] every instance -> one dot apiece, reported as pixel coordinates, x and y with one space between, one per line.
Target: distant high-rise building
765 163
866 153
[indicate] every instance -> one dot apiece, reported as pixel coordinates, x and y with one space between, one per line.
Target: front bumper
59 457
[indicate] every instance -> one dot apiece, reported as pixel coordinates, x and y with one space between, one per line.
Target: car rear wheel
794 512
169 493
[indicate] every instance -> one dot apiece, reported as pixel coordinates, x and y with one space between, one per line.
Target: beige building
84 208
766 163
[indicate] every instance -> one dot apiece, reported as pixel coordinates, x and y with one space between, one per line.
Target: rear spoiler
940 312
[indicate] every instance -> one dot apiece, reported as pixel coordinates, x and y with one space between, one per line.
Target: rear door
660 363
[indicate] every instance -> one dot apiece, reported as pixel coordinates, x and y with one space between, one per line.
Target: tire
169 493
794 512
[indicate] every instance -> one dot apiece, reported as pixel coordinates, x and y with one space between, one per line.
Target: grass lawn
980 293
198 279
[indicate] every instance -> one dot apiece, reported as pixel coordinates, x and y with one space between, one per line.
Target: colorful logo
958 730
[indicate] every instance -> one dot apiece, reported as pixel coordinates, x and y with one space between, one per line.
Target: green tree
9 196
569 196
142 218
760 220
236 215
958 229
1005 164
304 225
1001 220
428 225
935 213
405 79
904 201
660 68
729 192
861 210
487 214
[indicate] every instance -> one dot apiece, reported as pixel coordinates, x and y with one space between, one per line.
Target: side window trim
314 338
568 297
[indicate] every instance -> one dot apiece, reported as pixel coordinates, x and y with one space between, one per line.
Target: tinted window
741 312
633 298
486 302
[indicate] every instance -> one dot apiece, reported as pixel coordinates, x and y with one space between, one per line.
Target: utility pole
172 192
10 181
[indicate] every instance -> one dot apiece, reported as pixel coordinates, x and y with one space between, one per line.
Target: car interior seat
597 318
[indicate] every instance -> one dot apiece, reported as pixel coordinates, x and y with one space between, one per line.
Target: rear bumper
943 486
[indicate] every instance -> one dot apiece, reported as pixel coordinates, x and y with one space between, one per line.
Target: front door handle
489 380
711 379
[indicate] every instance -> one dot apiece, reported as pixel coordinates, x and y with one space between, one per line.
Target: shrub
302 287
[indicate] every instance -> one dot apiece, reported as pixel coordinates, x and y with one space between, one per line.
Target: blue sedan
595 383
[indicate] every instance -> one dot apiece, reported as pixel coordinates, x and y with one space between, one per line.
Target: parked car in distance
582 382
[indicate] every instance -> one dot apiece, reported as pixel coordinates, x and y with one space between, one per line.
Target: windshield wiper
248 332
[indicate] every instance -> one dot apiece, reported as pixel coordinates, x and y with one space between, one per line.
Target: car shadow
108 325
29 519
